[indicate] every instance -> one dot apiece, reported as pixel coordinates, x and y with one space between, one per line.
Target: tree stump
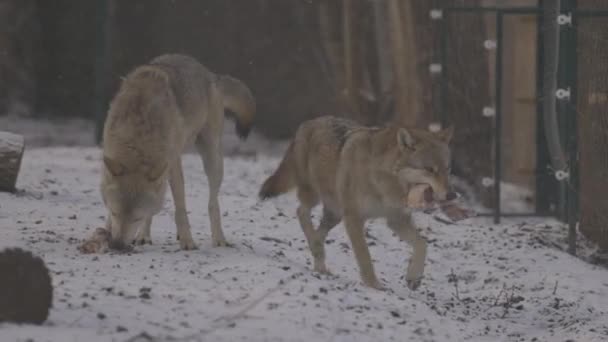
11 153
26 289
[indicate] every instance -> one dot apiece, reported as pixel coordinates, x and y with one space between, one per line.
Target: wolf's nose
451 196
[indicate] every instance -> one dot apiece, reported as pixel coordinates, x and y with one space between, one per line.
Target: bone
97 243
420 196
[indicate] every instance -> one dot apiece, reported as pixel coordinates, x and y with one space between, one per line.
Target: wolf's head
131 197
425 158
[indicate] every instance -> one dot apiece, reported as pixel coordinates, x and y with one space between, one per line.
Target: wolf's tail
239 100
283 179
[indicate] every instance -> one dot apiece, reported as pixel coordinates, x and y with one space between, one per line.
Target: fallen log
11 152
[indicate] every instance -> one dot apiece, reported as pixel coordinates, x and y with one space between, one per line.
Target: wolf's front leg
176 181
109 222
402 225
143 234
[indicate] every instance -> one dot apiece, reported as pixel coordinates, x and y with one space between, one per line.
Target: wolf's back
314 152
192 81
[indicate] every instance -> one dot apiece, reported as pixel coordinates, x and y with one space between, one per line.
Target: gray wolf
359 173
160 108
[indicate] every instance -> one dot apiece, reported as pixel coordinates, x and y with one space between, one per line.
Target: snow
72 132
41 132
482 283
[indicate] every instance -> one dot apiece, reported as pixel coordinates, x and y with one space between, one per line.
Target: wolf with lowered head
161 108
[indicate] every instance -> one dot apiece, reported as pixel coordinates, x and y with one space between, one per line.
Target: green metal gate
557 188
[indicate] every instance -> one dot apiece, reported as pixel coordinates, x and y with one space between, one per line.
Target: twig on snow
555 288
504 286
454 279
272 239
227 321
444 221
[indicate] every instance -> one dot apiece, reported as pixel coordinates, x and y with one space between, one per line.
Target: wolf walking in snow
359 173
160 108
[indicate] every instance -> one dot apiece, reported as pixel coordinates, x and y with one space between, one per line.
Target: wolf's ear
156 171
447 134
405 140
115 168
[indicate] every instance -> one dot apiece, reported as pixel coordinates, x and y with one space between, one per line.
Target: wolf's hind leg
308 200
210 150
328 221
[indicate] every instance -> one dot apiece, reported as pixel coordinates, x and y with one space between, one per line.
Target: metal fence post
567 80
443 45
546 184
498 118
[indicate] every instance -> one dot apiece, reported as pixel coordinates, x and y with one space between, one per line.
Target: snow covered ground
483 282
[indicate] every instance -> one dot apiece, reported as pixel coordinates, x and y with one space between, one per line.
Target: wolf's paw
221 243
142 238
414 283
187 244
142 241
322 269
374 284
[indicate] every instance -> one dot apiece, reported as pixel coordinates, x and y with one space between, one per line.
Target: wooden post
11 153
519 100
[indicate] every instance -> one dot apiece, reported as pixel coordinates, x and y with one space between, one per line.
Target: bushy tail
239 100
283 178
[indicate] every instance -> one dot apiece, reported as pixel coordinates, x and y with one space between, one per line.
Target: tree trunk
11 152
18 43
407 87
342 31
384 63
350 88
